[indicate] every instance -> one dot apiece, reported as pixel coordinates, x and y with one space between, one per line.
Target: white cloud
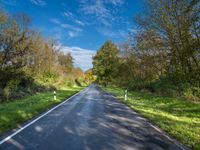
114 2
82 57
99 10
9 2
96 8
72 31
112 34
79 22
133 30
68 26
54 20
73 34
57 32
38 2
68 14
73 18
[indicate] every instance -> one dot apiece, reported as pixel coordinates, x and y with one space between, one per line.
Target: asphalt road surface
91 120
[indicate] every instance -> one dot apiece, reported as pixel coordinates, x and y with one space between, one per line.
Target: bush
78 83
49 77
6 93
1 93
70 83
165 87
10 88
26 81
192 93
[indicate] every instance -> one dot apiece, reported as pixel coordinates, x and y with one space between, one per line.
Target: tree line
163 56
29 62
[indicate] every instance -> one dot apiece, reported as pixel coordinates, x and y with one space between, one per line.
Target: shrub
165 87
70 83
192 93
10 88
26 81
6 93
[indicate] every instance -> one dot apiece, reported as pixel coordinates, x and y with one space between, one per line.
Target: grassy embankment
180 118
14 113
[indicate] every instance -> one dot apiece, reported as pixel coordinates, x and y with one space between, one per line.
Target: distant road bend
91 120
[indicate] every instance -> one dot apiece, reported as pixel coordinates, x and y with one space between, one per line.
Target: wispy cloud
133 30
72 17
79 22
114 2
73 34
96 8
68 14
57 32
72 30
100 11
68 26
82 57
38 2
9 2
112 34
56 21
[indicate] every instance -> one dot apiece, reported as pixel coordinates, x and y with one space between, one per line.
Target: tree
105 63
28 60
177 23
66 61
15 44
89 77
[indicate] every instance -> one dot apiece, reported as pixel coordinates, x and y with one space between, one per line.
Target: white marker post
125 96
54 95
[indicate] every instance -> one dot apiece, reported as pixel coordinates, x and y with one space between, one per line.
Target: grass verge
179 118
14 113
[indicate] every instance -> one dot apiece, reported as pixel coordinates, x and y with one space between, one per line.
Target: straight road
91 120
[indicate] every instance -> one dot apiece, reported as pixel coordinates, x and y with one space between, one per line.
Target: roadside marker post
54 95
125 96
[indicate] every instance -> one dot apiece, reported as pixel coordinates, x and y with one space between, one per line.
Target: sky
80 26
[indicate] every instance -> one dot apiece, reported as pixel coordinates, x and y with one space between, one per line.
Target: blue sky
80 26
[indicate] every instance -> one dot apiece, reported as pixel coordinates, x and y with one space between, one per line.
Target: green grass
179 118
14 113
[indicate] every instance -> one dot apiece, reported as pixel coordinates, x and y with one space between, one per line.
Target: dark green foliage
78 83
105 63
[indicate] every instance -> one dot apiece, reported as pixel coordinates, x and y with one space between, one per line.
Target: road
91 120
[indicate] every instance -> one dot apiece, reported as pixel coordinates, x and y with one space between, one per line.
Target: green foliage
6 93
178 117
70 83
78 82
10 88
89 77
192 93
105 63
165 87
48 78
